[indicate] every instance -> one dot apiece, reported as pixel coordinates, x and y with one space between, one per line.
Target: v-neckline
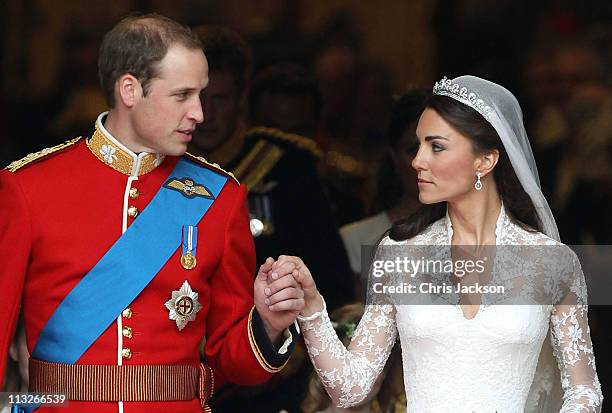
462 313
499 227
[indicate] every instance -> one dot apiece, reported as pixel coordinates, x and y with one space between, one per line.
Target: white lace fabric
451 363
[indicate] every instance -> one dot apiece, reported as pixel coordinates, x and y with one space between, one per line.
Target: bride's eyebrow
432 137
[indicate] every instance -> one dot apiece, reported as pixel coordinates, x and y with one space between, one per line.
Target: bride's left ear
487 161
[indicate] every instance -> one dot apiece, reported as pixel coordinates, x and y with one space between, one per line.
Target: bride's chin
427 200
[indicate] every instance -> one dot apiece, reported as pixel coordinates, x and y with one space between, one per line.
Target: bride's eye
437 147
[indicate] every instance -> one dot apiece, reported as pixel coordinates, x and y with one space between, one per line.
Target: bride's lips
423 182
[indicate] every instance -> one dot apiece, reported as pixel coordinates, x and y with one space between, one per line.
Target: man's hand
277 309
294 266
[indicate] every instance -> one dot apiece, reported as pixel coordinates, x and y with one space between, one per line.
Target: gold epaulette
301 142
258 162
210 165
36 156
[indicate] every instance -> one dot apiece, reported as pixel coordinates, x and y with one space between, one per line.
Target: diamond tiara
447 88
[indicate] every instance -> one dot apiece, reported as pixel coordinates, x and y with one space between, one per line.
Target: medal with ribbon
190 241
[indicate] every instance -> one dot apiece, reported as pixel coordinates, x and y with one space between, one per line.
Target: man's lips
187 133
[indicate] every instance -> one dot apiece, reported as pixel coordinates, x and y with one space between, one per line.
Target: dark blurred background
555 56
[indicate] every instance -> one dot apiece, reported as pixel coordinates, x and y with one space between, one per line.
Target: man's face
163 121
223 104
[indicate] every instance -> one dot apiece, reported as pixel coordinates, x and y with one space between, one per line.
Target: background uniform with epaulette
289 209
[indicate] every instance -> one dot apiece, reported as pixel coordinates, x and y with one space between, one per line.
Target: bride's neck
474 218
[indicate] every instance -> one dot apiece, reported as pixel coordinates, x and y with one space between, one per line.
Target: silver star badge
183 305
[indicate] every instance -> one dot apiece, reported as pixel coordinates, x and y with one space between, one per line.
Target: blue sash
128 267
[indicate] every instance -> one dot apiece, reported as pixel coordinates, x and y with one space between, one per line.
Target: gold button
126 353
127 332
132 211
127 313
134 193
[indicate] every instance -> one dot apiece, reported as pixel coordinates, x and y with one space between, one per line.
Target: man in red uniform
126 253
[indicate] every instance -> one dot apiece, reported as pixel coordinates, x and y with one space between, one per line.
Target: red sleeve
228 348
15 241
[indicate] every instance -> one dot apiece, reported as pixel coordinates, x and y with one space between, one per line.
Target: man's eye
181 96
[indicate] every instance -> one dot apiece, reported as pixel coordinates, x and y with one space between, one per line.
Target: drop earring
478 184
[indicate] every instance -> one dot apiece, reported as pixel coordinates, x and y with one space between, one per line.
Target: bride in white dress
479 186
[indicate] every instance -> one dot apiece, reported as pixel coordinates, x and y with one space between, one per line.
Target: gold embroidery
108 152
28 159
239 170
189 188
264 159
258 355
211 164
299 141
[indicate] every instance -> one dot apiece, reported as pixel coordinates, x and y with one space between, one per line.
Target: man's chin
178 150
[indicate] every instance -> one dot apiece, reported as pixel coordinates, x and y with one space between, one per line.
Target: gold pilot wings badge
183 306
189 188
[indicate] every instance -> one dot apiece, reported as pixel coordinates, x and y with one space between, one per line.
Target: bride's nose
418 163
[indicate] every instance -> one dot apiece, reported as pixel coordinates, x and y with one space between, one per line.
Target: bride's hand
286 265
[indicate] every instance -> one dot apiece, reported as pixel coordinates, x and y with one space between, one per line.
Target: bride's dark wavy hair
484 139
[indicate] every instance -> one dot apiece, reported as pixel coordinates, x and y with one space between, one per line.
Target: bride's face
445 163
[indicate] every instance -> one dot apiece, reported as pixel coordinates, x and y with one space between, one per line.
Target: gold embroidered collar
114 154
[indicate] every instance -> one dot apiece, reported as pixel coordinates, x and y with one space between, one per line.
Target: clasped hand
284 288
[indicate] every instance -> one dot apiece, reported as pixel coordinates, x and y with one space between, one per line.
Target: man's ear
128 90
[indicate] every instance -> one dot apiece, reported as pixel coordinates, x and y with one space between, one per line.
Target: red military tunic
61 212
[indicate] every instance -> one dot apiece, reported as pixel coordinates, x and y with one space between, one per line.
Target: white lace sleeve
572 347
348 374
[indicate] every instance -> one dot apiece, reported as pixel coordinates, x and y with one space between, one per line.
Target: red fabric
57 219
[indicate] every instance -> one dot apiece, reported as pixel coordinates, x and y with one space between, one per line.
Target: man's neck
119 128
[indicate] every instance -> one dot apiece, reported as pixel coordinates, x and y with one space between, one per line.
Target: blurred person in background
288 207
396 193
336 71
285 97
571 122
356 101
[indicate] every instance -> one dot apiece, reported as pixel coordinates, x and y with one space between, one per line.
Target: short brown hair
136 45
227 52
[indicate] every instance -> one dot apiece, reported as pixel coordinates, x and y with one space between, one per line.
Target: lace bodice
451 363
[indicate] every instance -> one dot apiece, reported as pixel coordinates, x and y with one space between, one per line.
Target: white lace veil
501 109
498 106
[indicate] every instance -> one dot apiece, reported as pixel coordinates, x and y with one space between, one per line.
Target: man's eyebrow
183 90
